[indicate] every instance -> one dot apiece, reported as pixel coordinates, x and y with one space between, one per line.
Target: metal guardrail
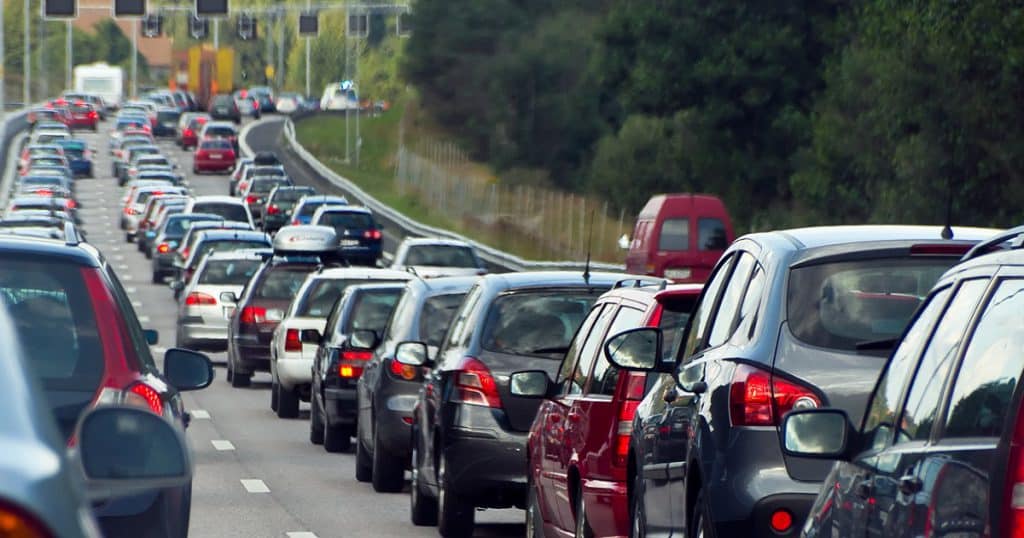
413 228
11 131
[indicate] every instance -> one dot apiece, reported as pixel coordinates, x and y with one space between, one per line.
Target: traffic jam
200 338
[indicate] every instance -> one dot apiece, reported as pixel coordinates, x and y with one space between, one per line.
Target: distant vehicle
340 96
359 237
307 206
101 79
79 156
278 207
213 155
265 97
224 107
288 103
202 323
169 234
167 121
83 115
680 237
433 257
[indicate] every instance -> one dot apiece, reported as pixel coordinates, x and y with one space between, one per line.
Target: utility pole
269 59
279 73
216 34
135 60
44 81
69 53
3 74
308 3
26 80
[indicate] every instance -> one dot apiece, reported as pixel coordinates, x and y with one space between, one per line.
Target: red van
679 236
578 448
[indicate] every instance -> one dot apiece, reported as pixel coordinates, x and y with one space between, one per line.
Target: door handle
910 485
864 489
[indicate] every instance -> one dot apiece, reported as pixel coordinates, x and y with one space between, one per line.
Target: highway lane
255 475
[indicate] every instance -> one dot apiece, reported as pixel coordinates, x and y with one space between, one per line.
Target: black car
940 448
278 207
351 333
360 239
469 433
386 392
256 192
788 320
166 121
223 107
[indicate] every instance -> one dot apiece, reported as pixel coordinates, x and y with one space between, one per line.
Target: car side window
606 376
725 319
746 321
581 374
332 321
572 355
885 401
455 332
921 408
698 323
991 368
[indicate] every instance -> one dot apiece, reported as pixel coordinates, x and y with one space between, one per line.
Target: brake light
347 371
130 211
356 355
757 398
93 115
144 395
255 105
251 199
291 340
163 248
17 522
634 393
781 521
474 384
403 371
272 209
295 222
372 234
186 132
70 204
1012 521
199 299
253 314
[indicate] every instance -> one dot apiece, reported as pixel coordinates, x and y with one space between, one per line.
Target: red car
578 448
83 116
190 134
214 155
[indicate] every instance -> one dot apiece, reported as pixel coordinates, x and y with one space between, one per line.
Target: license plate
216 156
349 242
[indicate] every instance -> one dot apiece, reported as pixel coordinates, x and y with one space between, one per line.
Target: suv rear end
359 236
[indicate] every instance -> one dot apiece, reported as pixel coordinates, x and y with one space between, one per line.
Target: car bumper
294 372
488 467
340 406
271 222
252 358
198 332
225 164
163 263
394 425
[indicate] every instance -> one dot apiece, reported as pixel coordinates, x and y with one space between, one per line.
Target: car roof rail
640 281
71 237
1014 235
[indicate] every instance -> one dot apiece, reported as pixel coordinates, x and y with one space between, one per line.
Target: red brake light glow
356 355
291 340
198 299
372 234
402 371
251 199
149 395
781 521
272 209
253 314
16 522
474 384
757 398
163 248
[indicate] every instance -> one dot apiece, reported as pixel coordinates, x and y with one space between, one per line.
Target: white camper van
101 79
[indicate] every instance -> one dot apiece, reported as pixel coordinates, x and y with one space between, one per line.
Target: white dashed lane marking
223 445
301 534
254 486
200 414
130 290
143 319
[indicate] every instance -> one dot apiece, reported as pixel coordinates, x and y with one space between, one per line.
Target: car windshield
841 304
228 272
372 309
283 281
346 220
234 212
536 323
440 256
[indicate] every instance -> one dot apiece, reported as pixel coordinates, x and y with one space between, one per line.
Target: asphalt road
255 475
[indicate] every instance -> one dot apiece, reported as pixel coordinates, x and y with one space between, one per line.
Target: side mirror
412 353
127 450
228 297
187 370
636 349
310 336
530 384
363 339
177 285
816 433
152 336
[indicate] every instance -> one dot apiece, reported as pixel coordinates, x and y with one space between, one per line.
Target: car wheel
700 525
388 471
422 507
534 521
336 439
128 238
316 424
149 253
454 513
230 371
583 529
638 512
364 465
274 387
287 403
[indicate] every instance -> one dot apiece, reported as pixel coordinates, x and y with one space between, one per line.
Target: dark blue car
307 206
79 156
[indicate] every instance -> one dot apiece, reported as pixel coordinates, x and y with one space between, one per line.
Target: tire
316 424
273 396
583 529
239 380
388 471
287 403
700 524
128 238
534 520
637 511
364 465
422 507
157 278
336 439
454 513
230 371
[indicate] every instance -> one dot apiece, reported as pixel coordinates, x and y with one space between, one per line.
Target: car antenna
590 243
947 230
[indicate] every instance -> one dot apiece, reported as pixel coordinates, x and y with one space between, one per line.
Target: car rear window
235 212
215 144
437 315
228 272
344 220
168 115
323 293
290 195
309 208
441 256
675 235
372 310
177 226
220 131
264 185
56 327
282 282
226 245
540 324
838 305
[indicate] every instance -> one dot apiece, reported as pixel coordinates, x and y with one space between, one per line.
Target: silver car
202 316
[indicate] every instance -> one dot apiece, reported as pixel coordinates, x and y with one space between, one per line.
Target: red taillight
18 523
150 396
372 234
253 314
403 371
93 115
347 371
198 299
291 340
272 209
163 248
781 521
186 132
756 398
356 355
474 384
251 199
255 105
130 211
295 222
70 204
634 393
1012 523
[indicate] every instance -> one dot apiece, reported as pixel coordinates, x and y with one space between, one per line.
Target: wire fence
542 223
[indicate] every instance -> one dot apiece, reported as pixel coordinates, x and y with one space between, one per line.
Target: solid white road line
200 414
301 534
130 290
143 319
222 445
254 486
137 304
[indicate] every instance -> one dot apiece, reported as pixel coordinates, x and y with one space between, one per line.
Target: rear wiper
560 349
885 344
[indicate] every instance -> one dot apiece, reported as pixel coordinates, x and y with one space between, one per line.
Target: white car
340 96
434 257
229 207
291 359
203 316
287 104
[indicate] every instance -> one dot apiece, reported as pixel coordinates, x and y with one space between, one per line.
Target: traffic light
129 8
246 26
60 9
211 8
309 25
198 28
152 25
